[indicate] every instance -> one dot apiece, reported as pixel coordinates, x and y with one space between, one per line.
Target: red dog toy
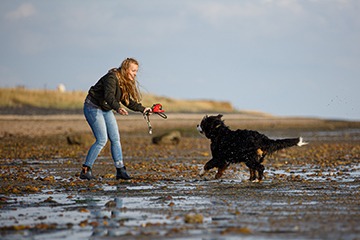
156 108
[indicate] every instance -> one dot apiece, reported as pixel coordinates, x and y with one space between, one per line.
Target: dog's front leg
209 165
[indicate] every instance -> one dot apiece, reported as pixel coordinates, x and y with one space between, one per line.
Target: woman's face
132 71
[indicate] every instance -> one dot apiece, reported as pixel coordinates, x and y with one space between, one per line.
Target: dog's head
211 125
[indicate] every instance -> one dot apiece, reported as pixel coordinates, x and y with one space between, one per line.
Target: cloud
213 12
23 11
217 11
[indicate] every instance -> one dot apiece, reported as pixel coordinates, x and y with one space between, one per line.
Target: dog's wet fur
248 146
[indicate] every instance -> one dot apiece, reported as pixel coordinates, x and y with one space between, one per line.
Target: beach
309 192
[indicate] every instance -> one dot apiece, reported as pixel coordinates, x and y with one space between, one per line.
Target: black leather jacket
106 94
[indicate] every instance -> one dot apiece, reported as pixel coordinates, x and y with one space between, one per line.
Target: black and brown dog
228 146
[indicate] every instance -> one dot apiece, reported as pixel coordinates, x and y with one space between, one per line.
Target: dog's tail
276 145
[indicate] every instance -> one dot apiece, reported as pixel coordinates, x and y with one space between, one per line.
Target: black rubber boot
86 173
122 174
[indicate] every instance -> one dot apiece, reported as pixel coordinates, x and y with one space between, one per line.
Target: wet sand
310 192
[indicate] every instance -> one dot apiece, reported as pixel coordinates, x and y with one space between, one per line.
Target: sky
296 58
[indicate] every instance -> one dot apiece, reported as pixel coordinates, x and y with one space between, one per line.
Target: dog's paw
301 142
202 172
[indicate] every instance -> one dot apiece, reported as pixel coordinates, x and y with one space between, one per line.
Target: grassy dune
20 97
70 100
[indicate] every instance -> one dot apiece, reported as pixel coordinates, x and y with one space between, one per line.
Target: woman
118 85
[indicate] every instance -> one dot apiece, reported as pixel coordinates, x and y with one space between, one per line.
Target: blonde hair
129 88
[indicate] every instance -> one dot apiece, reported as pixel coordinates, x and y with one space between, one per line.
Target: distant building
61 87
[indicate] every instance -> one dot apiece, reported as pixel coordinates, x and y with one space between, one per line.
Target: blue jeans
103 125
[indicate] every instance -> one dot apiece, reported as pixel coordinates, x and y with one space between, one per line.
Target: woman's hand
122 111
147 110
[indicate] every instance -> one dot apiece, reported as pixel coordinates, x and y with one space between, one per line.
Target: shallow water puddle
104 215
30 209
228 206
343 173
159 209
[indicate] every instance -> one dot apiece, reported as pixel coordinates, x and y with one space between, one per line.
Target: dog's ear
219 116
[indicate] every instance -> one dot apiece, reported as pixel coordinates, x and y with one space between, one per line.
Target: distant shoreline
41 125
